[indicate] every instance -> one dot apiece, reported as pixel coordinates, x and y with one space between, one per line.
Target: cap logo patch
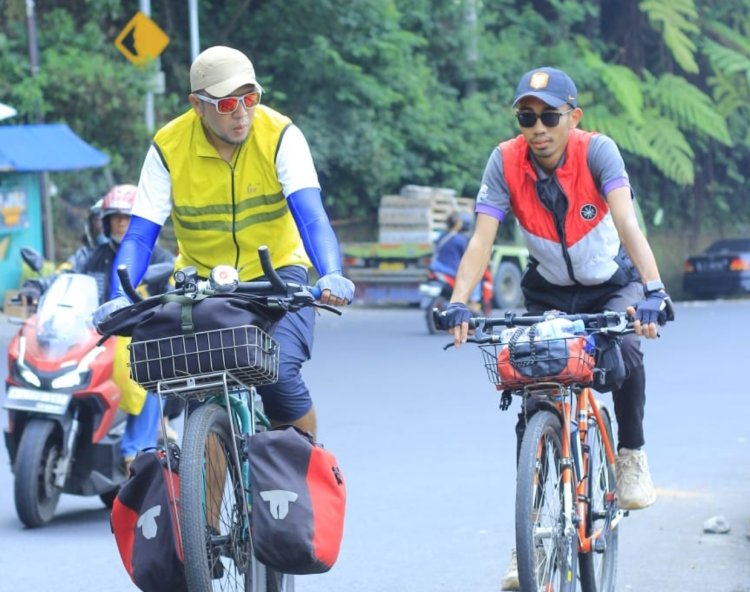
588 212
539 80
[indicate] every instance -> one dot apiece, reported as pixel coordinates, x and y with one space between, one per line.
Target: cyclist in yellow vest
235 175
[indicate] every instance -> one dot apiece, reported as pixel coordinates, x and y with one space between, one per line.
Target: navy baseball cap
550 85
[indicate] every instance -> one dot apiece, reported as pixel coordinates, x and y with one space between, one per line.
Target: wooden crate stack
418 214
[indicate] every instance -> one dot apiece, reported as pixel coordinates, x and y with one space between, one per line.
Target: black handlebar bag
610 371
179 335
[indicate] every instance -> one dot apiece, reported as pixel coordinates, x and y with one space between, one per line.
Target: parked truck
390 270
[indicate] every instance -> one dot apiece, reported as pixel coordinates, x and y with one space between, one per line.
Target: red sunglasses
227 105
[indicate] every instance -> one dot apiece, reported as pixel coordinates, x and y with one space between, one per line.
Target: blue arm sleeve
320 241
134 252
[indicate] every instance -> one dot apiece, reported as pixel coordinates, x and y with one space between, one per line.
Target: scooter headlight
68 380
28 376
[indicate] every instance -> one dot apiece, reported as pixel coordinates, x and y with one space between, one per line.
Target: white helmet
119 200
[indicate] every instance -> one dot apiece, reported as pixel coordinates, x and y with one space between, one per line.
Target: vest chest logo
588 212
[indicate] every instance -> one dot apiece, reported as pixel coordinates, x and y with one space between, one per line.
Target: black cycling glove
454 315
654 308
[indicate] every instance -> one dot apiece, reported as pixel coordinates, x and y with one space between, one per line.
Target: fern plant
676 20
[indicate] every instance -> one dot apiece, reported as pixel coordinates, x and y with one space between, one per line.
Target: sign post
141 41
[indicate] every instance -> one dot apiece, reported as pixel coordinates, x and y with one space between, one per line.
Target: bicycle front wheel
598 568
546 553
278 582
213 517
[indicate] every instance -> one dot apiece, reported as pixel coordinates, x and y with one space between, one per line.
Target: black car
723 269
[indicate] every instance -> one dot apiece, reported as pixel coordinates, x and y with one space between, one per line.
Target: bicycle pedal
599 546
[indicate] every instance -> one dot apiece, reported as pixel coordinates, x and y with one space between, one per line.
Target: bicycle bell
224 278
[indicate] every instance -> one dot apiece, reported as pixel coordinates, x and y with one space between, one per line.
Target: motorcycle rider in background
450 247
96 259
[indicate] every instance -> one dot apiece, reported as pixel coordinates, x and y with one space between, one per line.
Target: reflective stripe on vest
223 212
591 239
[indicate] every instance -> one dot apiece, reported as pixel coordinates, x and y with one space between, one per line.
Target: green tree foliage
392 92
82 83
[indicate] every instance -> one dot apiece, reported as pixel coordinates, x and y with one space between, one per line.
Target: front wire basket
561 360
247 353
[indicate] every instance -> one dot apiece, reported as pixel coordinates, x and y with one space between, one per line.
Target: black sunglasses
549 118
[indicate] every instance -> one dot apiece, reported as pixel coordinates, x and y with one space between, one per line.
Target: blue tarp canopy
46 147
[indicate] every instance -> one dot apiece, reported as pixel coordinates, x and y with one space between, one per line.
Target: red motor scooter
64 425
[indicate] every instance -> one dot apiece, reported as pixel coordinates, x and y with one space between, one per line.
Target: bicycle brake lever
328 307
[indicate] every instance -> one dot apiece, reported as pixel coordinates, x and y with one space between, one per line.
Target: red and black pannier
298 502
145 523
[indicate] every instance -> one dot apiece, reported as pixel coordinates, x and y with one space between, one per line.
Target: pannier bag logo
147 522
278 501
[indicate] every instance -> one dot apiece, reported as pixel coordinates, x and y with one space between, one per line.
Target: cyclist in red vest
572 197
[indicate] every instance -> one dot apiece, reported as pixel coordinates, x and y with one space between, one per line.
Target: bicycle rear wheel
213 520
547 556
598 569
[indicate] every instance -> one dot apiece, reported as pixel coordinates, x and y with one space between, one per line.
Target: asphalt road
428 460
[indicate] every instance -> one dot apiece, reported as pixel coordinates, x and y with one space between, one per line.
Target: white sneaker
635 490
510 579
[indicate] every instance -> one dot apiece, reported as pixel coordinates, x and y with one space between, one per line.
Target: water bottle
558 328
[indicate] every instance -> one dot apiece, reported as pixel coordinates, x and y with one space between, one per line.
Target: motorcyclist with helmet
114 212
96 259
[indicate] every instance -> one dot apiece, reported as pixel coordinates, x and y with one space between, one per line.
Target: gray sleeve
606 164
493 197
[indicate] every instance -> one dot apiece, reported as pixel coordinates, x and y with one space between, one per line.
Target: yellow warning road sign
141 40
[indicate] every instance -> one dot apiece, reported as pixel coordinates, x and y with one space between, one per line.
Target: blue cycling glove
339 286
109 307
654 308
454 315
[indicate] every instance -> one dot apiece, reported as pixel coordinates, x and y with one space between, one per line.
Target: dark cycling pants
288 399
630 399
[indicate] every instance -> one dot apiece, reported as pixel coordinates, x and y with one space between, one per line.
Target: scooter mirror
32 258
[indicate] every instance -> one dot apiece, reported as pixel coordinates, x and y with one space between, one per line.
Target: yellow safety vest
223 212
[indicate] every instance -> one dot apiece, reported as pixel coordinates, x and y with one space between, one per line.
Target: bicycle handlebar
223 280
618 321
610 322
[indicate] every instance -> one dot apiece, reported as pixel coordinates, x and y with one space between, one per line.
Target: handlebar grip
273 277
122 273
316 292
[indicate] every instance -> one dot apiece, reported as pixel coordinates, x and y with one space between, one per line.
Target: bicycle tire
222 539
547 557
598 570
278 582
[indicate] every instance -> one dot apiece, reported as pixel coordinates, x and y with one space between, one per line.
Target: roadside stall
27 152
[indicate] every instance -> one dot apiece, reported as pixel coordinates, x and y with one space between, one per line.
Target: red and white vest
590 239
